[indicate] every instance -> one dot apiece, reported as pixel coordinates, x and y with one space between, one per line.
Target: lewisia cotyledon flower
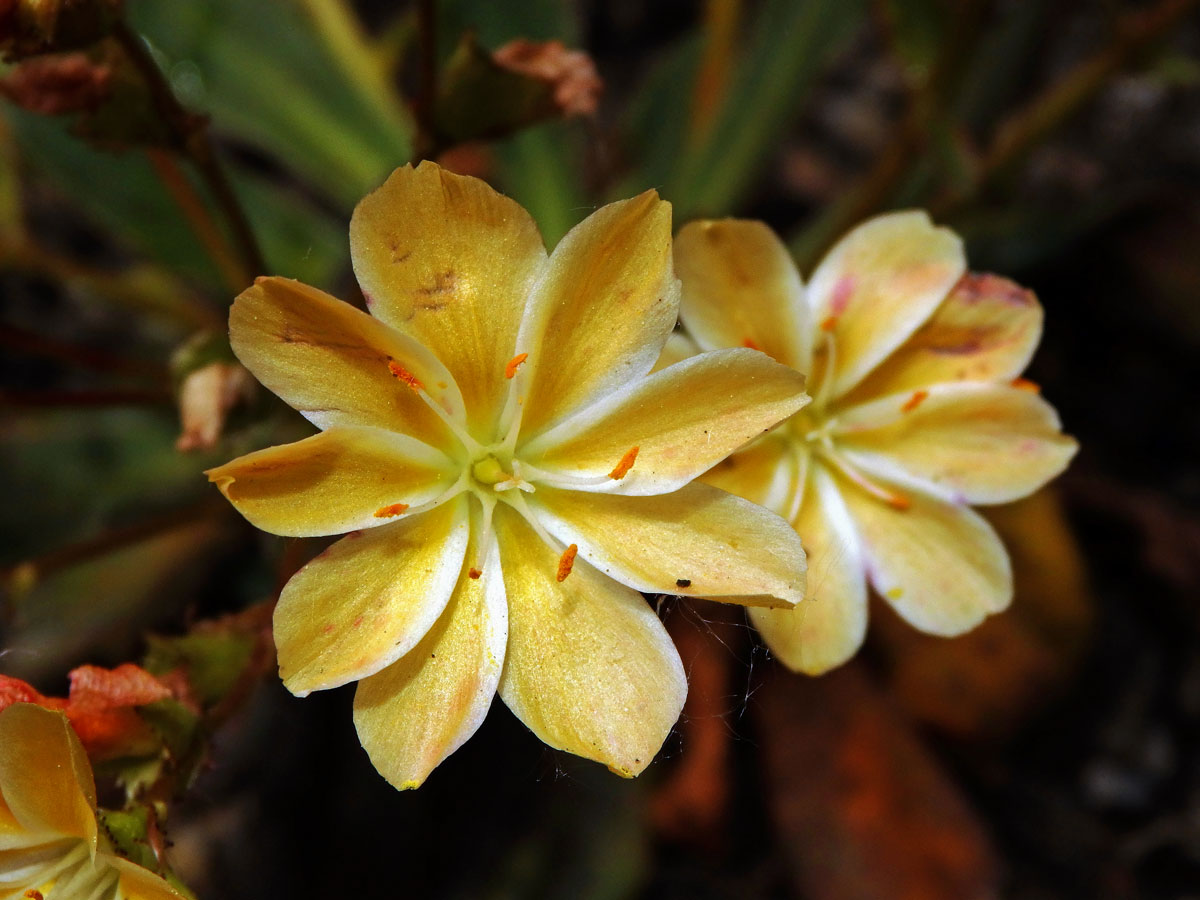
50 843
917 414
510 474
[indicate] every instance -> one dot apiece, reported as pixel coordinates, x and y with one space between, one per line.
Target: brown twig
34 344
84 398
192 140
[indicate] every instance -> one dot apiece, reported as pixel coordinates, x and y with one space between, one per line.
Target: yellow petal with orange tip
878 285
741 288
602 314
590 668
986 330
979 443
698 541
826 629
683 420
939 564
45 775
331 361
424 706
138 883
448 260
368 599
766 472
336 481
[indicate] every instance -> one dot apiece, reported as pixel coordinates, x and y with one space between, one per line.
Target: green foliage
213 661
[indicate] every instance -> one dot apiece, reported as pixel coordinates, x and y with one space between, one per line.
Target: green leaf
213 661
793 42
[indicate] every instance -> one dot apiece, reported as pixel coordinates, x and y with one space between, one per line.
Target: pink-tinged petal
980 443
829 626
367 600
682 421
939 564
340 480
602 314
986 330
423 707
877 286
741 289
446 259
337 365
766 472
677 348
45 776
698 541
137 883
590 668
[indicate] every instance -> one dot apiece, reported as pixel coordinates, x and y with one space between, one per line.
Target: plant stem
34 344
191 139
84 398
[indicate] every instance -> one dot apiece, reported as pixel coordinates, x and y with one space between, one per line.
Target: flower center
491 473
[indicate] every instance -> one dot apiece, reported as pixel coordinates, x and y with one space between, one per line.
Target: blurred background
162 155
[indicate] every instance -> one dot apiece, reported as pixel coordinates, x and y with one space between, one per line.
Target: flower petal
677 348
590 668
683 420
829 626
368 599
986 330
979 443
878 285
765 472
698 541
600 317
424 706
330 361
939 564
449 261
138 883
742 289
339 480
44 774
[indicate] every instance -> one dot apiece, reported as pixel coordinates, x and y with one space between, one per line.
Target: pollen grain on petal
914 401
510 368
386 512
622 468
829 324
1024 384
566 562
749 344
474 573
402 374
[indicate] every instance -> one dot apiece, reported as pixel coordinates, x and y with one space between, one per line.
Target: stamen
473 573
1024 384
825 385
914 401
894 499
484 544
566 562
557 479
749 344
386 512
622 468
800 460
511 368
829 323
402 374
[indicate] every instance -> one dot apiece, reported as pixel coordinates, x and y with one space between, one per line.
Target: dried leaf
571 73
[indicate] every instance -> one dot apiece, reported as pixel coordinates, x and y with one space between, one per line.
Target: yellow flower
916 415
509 473
50 843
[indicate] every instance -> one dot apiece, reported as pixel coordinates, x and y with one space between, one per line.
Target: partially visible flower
58 84
509 474
571 73
101 707
917 414
206 397
50 843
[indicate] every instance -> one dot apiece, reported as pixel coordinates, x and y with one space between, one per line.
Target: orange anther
898 501
33 894
749 344
1024 384
386 512
914 401
473 572
398 371
566 562
622 468
829 324
510 368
